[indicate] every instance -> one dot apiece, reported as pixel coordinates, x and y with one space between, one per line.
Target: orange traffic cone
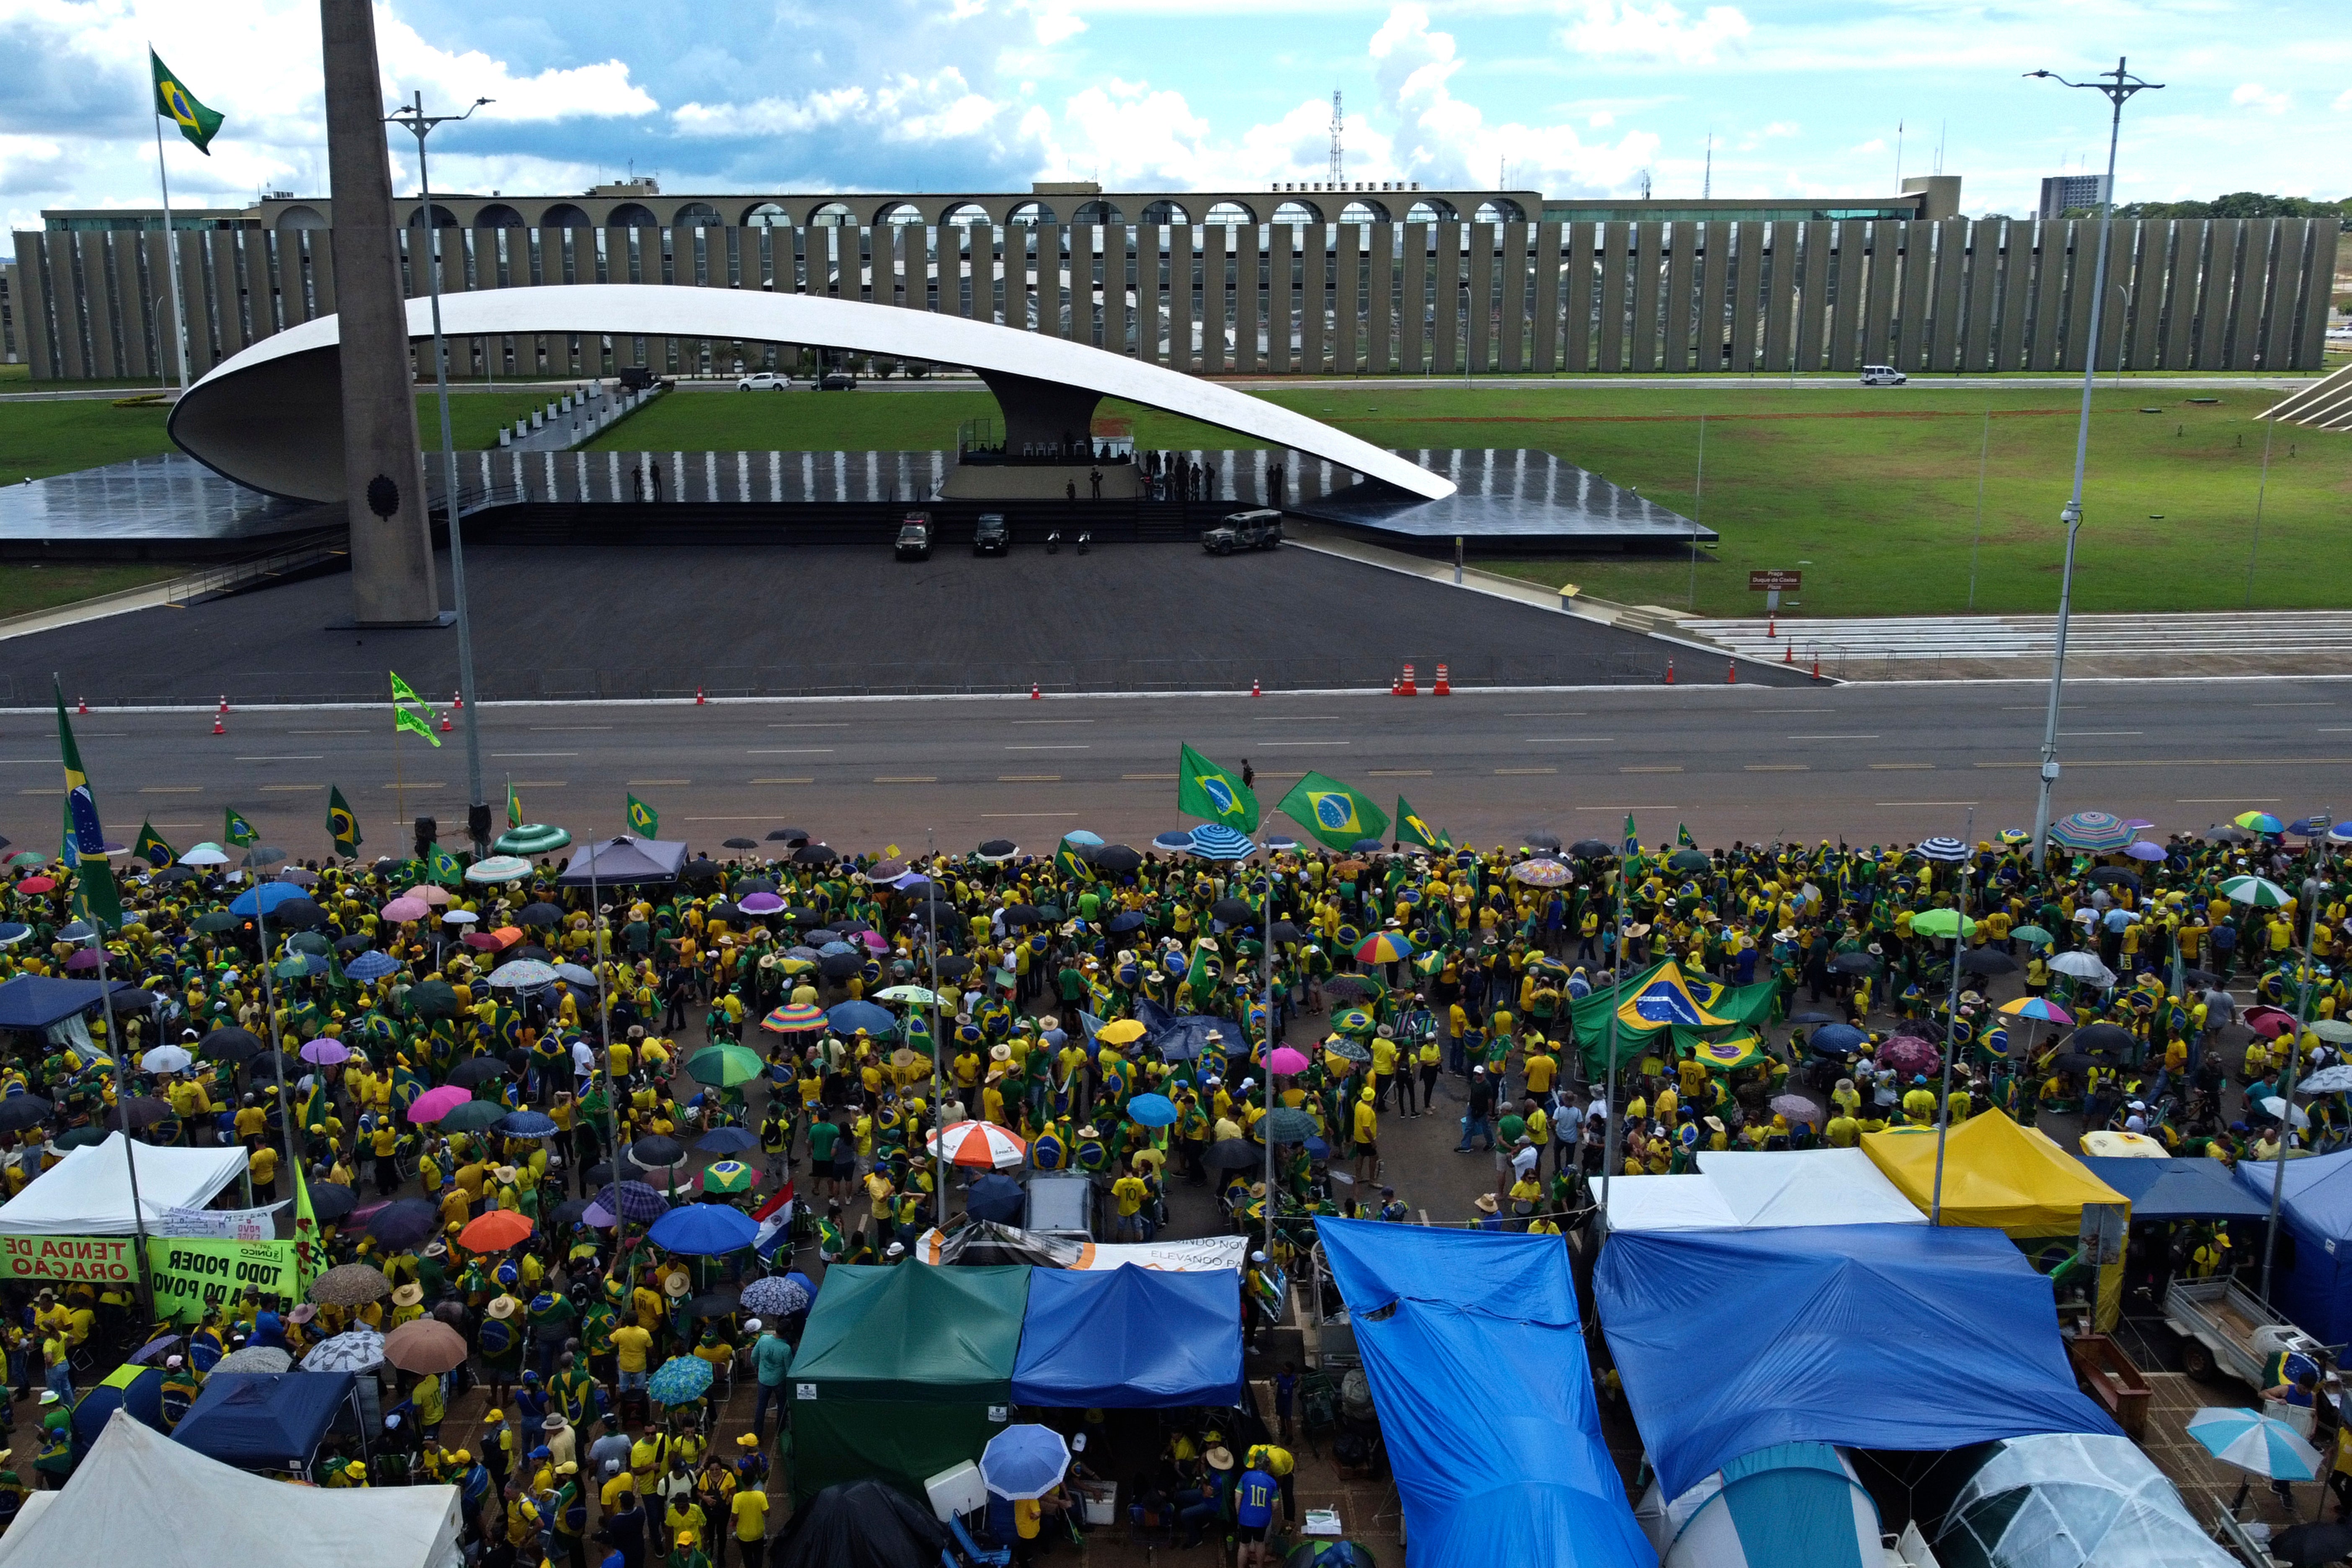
1731 673
1670 672
699 700
1407 688
219 728
1788 653
445 723
456 699
1817 664
1444 687
224 707
1036 695
83 704
1772 625
1255 691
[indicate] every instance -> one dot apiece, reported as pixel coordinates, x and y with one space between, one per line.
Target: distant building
2078 193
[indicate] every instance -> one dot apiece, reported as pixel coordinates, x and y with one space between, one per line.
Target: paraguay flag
775 1218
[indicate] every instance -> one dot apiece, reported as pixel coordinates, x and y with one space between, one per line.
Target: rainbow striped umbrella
2040 1007
1384 947
794 1018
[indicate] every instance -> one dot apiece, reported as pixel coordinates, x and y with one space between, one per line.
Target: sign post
1773 583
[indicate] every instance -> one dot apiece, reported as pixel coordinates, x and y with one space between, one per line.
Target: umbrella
523 974
725 1066
1945 850
326 1053
727 1176
2278 1109
1025 1461
19 1112
231 1045
1837 1039
1215 841
1987 961
1175 838
1158 1110
2114 875
166 1058
656 1153
332 1200
794 837
143 1112
814 854
1118 859
406 907
1287 1125
998 849
2310 1544
1345 1050
1942 922
401 1223
1909 1053
761 902
2327 1080
1853 962
2033 934
81 1138
476 1071
726 1141
494 1231
257 1359
2259 891
1352 988
681 1378
424 1345
2085 966
206 854
436 999
1286 1061
2096 832
908 995
212 922
2141 849
526 1124
474 1116
977 1145
2253 1441
717 1303
1542 873
1384 947
1233 1154
794 1018
774 1296
576 975
848 1017
371 966
1120 1032
83 959
2101 1039
435 1103
1688 860
1795 1106
297 914
633 1200
1591 848
351 1285
999 1199
2259 822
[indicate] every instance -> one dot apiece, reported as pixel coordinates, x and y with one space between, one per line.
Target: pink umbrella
1286 1061
432 895
875 940
1909 1053
325 1053
435 1103
406 908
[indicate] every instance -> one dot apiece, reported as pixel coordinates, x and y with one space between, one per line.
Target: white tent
1806 1187
1668 1203
88 1192
140 1498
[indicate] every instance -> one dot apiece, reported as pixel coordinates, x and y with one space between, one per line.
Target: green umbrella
728 1176
724 1067
81 1138
474 1116
2034 934
2259 891
433 999
913 996
309 941
1941 922
213 921
27 857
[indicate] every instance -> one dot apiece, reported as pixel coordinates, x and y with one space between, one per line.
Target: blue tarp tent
1182 1036
1129 1338
1830 1321
2177 1189
35 1000
2315 1293
265 1420
1520 1478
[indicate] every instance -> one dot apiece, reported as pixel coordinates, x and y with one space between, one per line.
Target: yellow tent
2000 1177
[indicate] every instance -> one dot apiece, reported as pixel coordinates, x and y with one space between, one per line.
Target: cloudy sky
1565 96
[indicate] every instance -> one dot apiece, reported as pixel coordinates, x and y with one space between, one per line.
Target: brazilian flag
94 898
152 848
342 826
514 808
178 105
1072 865
442 867
1204 789
1412 829
1683 839
644 820
1333 812
236 830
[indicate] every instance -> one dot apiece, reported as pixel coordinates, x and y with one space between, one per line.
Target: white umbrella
2327 1080
523 974
460 917
2085 966
166 1058
355 1351
2278 1108
205 855
254 1358
497 868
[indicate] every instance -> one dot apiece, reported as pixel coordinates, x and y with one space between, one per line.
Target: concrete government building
1377 278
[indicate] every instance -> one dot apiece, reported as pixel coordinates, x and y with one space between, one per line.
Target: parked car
834 380
764 381
1882 375
1258 530
915 536
994 536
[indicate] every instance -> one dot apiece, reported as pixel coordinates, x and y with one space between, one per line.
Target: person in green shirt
823 1135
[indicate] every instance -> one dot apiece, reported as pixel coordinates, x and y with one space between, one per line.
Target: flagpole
269 1002
1951 1027
1609 1085
122 1104
605 1027
170 249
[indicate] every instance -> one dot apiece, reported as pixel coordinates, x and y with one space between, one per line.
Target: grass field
1873 494
28 586
37 439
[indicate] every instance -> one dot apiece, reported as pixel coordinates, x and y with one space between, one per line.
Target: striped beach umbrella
2259 891
978 1146
795 1017
1384 947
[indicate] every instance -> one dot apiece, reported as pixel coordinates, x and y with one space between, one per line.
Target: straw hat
1000 1053
554 1421
503 1307
1220 1457
505 1173
1485 1203
408 1295
676 1285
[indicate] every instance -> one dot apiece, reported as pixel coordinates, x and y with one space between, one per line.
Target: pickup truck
914 537
2224 1329
1258 530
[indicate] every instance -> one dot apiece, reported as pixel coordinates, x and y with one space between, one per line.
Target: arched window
629 215
1166 212
300 217
497 214
1099 213
767 215
698 214
1360 211
1230 214
1029 215
1501 209
563 214
1431 209
900 213
1297 212
833 215
967 214
442 217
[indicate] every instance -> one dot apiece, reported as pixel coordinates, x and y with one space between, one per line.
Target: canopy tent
1129 1339
903 1372
2177 1189
1816 1308
265 1420
140 1498
1662 1006
1687 1201
1793 1505
37 1001
985 1241
1526 1478
2315 1289
88 1192
624 862
1181 1036
2000 1177
2099 1502
1806 1187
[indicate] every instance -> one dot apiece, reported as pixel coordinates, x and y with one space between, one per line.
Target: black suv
994 536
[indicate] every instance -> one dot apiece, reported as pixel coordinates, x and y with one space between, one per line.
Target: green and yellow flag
410 720
1204 789
514 808
236 830
410 712
178 105
152 848
1333 812
94 898
1412 829
1683 839
1071 864
403 692
644 820
442 867
342 825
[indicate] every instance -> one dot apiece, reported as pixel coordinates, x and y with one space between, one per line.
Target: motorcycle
1086 542
1054 542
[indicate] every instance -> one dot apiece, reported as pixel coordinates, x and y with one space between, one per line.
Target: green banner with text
192 1274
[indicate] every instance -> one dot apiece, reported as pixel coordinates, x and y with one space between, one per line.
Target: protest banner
191 1274
98 1259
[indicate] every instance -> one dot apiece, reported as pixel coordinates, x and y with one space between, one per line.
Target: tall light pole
2118 86
419 124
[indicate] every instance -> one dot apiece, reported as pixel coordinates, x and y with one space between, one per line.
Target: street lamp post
2118 86
419 124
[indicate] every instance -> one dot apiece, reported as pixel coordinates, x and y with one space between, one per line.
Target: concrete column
392 556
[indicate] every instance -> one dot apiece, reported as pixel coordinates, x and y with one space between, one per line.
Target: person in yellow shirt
751 1510
261 1162
1366 1130
1129 1191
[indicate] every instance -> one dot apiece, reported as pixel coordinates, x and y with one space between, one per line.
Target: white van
1882 375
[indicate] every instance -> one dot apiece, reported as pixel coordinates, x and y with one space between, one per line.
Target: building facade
2062 193
1366 280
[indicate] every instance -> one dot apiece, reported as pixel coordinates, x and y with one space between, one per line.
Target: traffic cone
1444 687
1772 625
1407 688
1788 653
1817 664
456 699
1731 673
224 707
1036 695
1255 688
445 723
219 728
1670 672
83 704
699 700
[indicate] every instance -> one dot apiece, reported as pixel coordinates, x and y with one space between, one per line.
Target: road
1870 764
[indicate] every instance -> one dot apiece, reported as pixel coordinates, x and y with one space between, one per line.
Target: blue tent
1129 1339
2177 1189
1830 1322
265 1420
1525 1478
2316 1292
131 1388
35 1000
1181 1036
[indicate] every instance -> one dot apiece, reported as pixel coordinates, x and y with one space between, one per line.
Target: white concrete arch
271 416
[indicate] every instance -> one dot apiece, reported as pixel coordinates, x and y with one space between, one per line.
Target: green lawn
37 439
28 586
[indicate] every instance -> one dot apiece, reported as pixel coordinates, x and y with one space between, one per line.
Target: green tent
1742 1006
903 1372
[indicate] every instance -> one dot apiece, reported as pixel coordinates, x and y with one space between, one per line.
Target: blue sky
1568 96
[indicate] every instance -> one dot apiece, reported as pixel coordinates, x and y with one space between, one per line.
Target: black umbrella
433 999
1284 932
2200 977
143 1112
1233 1154
699 869
2072 1061
2309 1545
953 966
357 941
1853 963
795 837
405 1223
180 874
271 1065
568 1210
723 910
1232 912
998 1198
539 914
19 1112
2114 874
213 922
998 846
1689 860
263 855
1541 840
1798 1018
232 1045
600 1175
1118 859
814 854
743 843
298 914
746 885
851 928
839 965
1987 961
332 1200
529 950
801 914
1021 915
712 1304
656 1151
1591 848
476 1071
2101 1039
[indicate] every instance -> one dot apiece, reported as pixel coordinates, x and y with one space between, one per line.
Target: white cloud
2254 95
1625 29
2344 101
937 108
455 80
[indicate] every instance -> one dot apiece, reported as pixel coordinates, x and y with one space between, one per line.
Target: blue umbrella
1215 841
774 1296
1838 1037
526 1124
1125 921
2253 1441
1175 838
726 1141
848 1017
264 899
1000 1199
705 1230
1080 835
634 1200
371 966
1025 1461
404 1222
1152 1109
1368 846
681 1378
835 950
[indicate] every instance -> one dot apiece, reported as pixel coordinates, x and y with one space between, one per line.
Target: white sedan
764 381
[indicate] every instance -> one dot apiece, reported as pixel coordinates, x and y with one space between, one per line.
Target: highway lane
1867 762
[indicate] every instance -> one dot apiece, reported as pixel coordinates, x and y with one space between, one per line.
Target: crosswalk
2299 633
